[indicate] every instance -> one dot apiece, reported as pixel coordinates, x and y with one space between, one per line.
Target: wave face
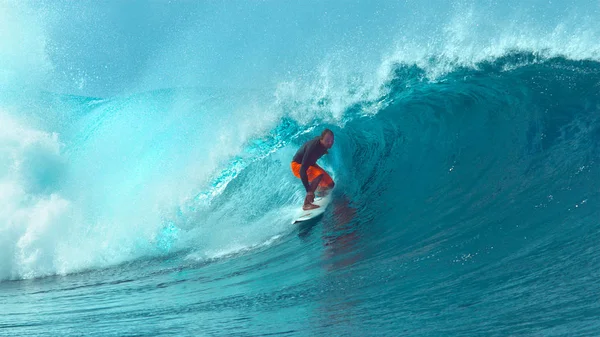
144 172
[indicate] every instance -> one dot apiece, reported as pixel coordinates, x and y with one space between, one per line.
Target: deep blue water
145 190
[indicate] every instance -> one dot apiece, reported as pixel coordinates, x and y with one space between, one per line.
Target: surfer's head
327 138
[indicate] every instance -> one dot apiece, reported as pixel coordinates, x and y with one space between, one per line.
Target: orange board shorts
312 172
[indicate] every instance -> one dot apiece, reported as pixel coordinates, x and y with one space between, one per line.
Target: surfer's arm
304 168
304 177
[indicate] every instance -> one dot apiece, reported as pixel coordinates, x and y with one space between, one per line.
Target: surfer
304 166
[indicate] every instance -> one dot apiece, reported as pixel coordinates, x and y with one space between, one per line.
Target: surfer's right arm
304 167
310 194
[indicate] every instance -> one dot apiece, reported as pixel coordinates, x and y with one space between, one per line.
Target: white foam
232 249
30 220
43 231
471 37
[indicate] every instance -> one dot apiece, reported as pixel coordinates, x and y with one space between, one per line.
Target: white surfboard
322 202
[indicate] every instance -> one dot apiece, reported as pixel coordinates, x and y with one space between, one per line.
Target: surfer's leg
316 182
326 182
315 175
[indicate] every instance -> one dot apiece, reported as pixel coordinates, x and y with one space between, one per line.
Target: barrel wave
158 200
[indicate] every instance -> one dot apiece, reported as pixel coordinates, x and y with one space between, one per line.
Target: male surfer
304 166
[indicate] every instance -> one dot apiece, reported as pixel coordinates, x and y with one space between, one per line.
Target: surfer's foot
307 207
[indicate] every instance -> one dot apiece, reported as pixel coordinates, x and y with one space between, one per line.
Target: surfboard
322 202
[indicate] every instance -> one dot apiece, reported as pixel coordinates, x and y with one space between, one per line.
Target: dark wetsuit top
307 156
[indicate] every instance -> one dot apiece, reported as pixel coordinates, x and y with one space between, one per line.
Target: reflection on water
339 304
340 236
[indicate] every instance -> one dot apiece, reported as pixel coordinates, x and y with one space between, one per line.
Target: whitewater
146 190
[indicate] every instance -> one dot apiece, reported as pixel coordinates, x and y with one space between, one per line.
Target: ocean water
145 187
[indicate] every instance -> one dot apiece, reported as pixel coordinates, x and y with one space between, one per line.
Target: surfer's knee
319 178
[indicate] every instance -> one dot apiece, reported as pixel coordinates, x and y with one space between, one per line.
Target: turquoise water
145 187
